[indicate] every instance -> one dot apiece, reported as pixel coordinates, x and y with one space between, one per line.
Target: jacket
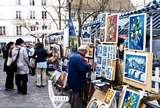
23 61
40 55
77 69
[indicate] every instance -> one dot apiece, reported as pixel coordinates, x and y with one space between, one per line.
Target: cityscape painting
137 32
136 67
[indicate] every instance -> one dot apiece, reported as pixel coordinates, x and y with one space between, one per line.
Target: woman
41 64
9 85
21 75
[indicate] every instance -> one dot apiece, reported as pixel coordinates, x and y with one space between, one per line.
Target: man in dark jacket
77 69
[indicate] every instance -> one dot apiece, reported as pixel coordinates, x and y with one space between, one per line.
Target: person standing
41 64
21 76
9 85
77 70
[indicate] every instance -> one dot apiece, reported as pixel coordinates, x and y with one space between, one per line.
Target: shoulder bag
14 63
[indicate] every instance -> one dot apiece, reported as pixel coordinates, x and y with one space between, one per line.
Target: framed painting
90 52
104 63
109 97
137 32
111 31
102 35
109 73
137 69
98 70
130 99
99 51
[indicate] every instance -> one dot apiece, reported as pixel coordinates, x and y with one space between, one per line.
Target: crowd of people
36 60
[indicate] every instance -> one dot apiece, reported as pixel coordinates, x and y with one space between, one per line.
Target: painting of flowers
137 32
130 99
111 35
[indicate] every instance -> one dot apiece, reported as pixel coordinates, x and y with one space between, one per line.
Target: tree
58 10
94 7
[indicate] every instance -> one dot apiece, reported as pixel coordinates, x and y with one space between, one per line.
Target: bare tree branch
51 17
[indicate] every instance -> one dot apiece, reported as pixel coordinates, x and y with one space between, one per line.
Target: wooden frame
129 99
109 97
138 69
137 32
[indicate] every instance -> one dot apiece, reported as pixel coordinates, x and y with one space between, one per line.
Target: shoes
42 86
24 93
38 86
8 89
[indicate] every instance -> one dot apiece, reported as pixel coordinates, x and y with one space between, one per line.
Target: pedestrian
31 59
9 85
77 70
21 76
41 64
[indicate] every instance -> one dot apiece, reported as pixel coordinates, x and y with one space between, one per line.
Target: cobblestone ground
36 98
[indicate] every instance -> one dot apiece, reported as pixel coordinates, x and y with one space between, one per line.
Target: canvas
136 68
109 96
90 52
102 35
137 32
99 51
130 99
111 34
109 73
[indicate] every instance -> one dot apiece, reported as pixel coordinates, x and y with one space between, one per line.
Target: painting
111 34
90 52
130 99
98 70
109 73
136 67
104 50
109 96
104 63
102 35
99 51
86 34
137 32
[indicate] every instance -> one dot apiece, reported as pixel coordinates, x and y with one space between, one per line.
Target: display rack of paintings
137 32
111 31
130 99
138 69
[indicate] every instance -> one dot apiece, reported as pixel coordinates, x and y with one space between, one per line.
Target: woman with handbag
9 85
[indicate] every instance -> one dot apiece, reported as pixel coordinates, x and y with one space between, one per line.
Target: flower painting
111 35
136 67
137 32
130 99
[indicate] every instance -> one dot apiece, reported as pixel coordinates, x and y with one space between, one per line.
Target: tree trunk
59 14
79 21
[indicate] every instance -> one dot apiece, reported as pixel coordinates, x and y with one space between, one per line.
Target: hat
19 41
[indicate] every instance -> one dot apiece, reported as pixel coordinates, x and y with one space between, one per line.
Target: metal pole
151 32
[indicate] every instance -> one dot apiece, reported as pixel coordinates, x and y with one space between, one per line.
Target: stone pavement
37 97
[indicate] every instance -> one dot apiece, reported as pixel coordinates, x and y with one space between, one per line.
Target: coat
77 69
23 60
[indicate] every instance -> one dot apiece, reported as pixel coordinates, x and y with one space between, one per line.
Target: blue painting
109 73
99 51
102 19
137 32
104 63
98 70
99 60
104 50
131 99
135 67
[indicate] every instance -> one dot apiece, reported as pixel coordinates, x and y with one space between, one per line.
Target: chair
57 101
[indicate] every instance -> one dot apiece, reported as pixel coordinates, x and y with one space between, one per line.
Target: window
44 15
32 14
19 30
33 28
43 2
18 14
18 2
44 27
2 30
32 3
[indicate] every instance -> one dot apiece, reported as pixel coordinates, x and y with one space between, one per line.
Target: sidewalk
37 97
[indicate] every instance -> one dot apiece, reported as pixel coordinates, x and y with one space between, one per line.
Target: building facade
20 17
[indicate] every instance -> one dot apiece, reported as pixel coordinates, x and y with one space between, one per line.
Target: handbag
9 59
14 63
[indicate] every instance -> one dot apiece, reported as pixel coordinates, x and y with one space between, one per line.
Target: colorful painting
137 32
109 96
111 35
90 52
136 67
130 99
102 35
